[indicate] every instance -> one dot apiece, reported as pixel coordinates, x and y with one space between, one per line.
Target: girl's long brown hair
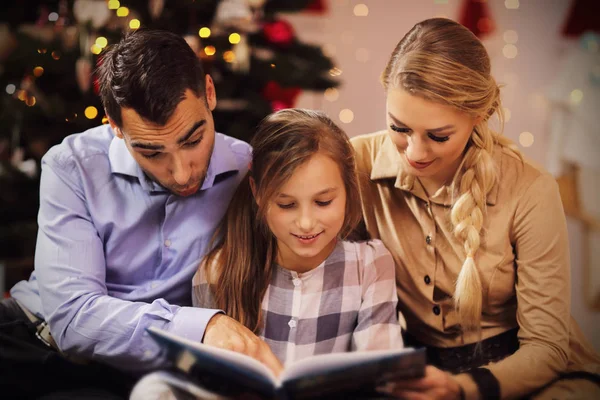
240 264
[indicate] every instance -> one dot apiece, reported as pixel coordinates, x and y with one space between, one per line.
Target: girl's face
430 136
307 213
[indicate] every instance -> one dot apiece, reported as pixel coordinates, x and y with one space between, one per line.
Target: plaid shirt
347 303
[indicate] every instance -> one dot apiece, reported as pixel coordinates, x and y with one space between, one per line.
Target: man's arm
71 270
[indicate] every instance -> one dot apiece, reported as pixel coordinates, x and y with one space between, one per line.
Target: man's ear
210 93
115 128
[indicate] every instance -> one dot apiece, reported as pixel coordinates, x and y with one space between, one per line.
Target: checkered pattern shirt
347 303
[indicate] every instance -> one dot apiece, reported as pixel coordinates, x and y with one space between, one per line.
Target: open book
231 374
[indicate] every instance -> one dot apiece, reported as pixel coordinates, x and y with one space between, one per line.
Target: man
127 210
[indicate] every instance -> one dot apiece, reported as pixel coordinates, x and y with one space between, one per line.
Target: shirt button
297 282
292 323
427 280
168 243
436 310
428 239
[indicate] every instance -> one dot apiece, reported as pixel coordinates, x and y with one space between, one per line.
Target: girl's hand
436 385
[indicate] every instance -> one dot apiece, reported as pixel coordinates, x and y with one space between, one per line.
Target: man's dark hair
149 71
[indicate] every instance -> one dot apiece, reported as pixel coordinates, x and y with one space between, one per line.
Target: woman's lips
419 165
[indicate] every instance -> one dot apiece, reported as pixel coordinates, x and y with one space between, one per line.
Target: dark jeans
31 370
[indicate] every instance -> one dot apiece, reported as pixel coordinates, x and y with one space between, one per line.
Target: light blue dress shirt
116 252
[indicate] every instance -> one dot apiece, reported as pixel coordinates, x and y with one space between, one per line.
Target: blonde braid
466 215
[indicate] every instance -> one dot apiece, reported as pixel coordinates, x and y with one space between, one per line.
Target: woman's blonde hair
442 61
240 265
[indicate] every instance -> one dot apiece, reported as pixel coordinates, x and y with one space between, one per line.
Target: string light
510 51
335 71
204 32
272 65
122 12
210 50
134 23
361 10
234 38
91 112
95 49
53 17
105 120
331 94
511 4
114 4
10 88
42 51
526 139
101 42
575 97
56 55
511 37
346 116
30 101
229 56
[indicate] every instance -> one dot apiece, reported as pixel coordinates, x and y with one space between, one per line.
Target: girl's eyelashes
292 205
439 139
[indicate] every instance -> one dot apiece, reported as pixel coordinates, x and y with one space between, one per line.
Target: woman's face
431 137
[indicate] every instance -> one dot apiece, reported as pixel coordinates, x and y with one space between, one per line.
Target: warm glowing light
210 50
229 56
95 49
234 38
22 95
335 71
10 88
272 65
204 32
362 54
526 139
105 120
101 42
113 4
30 101
135 23
122 12
576 96
38 71
346 116
511 4
361 10
510 51
511 37
42 51
331 94
91 112
56 55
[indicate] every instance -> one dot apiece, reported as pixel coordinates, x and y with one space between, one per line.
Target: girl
281 266
477 232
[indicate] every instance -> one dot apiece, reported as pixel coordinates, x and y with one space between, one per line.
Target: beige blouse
523 263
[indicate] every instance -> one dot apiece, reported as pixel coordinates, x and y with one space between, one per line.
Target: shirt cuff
191 322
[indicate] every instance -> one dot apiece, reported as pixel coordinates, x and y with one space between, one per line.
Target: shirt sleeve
70 265
543 291
377 327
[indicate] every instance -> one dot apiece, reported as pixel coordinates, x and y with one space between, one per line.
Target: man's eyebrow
149 146
193 129
435 130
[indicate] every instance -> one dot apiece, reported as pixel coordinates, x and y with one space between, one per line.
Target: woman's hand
435 385
226 333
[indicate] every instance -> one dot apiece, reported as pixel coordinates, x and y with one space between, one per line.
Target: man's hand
436 385
226 333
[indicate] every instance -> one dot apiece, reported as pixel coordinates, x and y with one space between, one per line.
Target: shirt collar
223 160
388 165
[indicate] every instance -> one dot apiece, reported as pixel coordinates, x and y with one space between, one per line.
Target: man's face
175 155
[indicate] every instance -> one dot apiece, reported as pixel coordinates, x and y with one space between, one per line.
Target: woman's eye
323 203
439 138
398 129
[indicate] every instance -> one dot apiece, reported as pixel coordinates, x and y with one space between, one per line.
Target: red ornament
279 32
475 15
280 97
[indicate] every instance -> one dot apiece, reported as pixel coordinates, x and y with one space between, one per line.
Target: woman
477 232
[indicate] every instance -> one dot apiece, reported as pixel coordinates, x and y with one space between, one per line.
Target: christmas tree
49 50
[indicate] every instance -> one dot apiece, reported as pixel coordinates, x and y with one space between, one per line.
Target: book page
323 363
